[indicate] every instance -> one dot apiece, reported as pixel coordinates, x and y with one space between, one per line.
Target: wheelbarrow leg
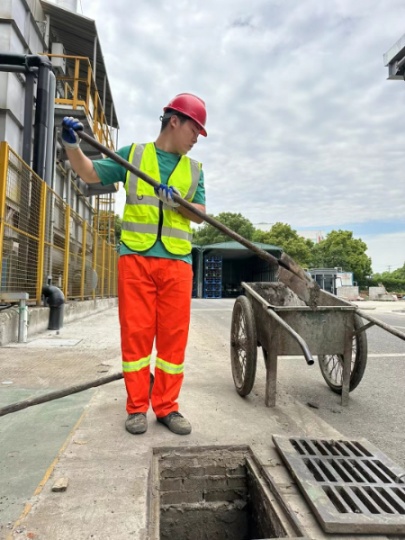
270 359
347 361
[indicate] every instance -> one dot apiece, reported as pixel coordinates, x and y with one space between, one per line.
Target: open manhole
215 493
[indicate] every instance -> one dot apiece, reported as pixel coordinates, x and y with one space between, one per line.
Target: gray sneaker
176 423
136 423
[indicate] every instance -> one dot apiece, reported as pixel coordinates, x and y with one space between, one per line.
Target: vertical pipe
50 150
28 117
41 121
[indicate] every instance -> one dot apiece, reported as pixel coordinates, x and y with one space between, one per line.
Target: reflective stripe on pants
154 298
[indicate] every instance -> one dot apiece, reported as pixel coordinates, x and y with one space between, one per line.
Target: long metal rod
209 219
382 325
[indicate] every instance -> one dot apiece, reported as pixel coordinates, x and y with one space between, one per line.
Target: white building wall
20 36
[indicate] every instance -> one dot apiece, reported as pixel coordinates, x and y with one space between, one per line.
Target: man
155 264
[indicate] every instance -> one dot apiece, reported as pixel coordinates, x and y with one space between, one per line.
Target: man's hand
165 194
70 138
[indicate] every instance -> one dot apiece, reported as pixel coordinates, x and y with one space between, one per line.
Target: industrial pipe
55 299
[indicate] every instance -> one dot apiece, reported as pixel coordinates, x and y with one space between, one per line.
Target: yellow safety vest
145 216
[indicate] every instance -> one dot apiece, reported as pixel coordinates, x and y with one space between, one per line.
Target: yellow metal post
95 115
88 92
84 247
109 270
41 242
95 248
66 253
102 267
115 273
76 83
3 192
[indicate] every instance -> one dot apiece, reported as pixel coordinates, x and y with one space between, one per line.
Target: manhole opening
214 493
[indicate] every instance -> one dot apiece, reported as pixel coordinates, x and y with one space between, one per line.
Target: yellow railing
41 236
77 89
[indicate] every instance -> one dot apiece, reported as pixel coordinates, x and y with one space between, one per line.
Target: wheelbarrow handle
387 327
286 262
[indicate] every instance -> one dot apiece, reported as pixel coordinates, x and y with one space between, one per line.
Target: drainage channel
215 493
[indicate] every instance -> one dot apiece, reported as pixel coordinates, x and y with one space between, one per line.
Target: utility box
58 62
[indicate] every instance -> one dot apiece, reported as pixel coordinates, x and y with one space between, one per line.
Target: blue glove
70 138
165 194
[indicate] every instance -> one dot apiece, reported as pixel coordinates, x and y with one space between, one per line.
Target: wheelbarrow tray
325 329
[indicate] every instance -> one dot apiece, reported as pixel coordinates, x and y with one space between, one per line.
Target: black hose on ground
14 407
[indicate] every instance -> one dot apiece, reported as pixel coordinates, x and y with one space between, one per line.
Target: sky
303 126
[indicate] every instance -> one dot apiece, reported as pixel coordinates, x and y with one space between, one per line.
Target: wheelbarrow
276 317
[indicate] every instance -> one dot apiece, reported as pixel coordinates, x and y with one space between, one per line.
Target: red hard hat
191 106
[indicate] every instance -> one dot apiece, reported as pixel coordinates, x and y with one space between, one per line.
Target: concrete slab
29 441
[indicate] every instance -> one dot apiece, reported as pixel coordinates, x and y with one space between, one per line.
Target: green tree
340 249
399 273
282 235
117 227
207 234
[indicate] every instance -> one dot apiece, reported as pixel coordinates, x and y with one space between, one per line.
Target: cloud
303 126
388 249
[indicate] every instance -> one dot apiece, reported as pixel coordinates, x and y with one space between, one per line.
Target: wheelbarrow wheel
243 346
332 365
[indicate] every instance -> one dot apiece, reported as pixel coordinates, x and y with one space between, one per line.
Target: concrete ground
82 437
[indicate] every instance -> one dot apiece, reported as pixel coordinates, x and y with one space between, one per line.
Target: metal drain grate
351 486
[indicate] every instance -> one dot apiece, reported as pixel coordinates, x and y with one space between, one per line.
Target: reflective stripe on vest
150 229
167 367
140 225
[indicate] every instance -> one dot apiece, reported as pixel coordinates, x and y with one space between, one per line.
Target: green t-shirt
110 172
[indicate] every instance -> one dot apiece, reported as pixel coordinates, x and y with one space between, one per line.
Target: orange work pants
154 299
